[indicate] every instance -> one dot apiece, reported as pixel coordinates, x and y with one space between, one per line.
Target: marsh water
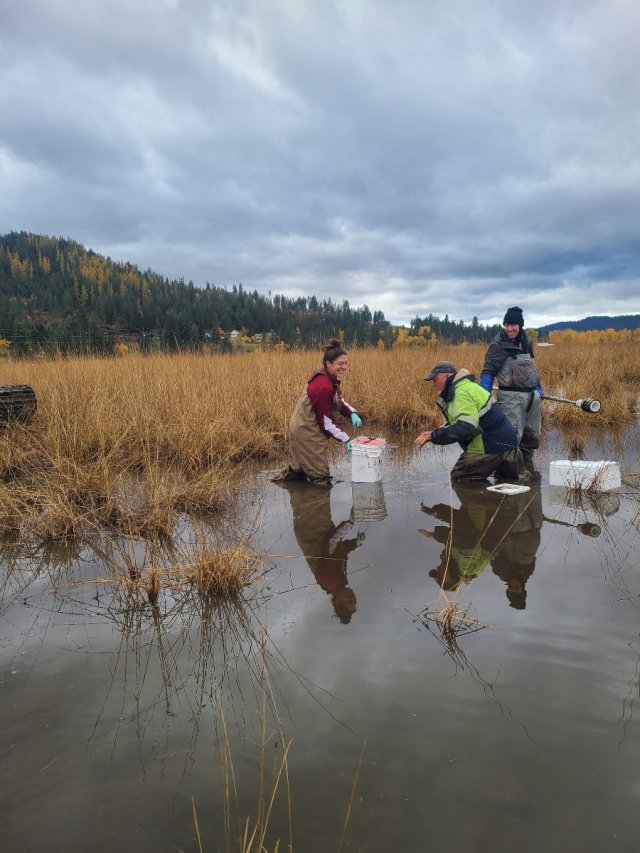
516 728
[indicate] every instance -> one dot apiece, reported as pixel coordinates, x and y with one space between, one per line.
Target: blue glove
347 447
356 420
540 391
486 381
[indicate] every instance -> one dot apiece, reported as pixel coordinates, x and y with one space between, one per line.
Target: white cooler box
580 474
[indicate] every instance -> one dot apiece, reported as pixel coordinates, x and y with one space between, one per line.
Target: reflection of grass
253 832
250 833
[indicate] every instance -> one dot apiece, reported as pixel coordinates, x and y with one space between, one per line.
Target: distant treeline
596 323
455 332
55 295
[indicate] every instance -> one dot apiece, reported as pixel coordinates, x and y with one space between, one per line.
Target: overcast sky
445 156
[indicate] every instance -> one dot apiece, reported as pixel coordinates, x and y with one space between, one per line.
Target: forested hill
54 293
57 295
598 323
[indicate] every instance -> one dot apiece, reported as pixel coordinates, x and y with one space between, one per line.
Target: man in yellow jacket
477 423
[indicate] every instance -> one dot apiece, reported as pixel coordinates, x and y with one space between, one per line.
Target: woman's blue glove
356 420
540 391
347 447
486 381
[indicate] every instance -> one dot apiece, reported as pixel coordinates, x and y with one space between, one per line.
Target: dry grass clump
211 567
452 620
448 618
221 571
12 511
388 388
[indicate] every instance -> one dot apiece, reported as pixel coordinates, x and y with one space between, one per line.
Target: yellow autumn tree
424 338
593 336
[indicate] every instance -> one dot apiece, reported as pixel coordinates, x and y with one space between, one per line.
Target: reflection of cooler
368 502
603 504
366 459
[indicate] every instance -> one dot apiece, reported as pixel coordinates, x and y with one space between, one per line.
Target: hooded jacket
325 397
512 362
474 419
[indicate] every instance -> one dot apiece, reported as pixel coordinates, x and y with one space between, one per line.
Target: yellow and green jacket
474 419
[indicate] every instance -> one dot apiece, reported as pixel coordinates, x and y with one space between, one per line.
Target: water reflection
368 501
326 546
487 528
514 557
604 504
504 531
113 702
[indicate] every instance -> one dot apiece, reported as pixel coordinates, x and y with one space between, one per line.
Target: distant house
234 333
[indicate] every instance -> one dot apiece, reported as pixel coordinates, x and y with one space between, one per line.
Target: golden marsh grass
127 443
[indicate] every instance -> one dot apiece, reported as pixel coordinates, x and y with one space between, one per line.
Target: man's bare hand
423 438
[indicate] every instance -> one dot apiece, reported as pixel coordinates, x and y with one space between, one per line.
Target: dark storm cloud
443 158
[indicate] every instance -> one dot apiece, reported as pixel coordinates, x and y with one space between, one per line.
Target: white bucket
580 474
366 462
368 501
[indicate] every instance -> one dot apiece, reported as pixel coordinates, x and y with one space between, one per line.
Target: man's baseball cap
440 367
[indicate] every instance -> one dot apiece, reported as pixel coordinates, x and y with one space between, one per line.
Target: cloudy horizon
443 158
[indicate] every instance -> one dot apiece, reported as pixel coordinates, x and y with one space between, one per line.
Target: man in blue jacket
510 360
477 423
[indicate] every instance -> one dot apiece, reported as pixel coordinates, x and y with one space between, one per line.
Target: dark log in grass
17 403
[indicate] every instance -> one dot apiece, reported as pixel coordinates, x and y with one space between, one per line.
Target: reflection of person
511 361
476 422
313 419
325 545
514 557
464 554
489 528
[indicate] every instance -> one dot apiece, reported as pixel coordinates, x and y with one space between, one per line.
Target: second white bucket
366 462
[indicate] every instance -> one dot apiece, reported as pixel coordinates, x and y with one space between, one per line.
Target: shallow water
519 732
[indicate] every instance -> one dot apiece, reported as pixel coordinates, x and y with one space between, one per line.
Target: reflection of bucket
368 502
366 462
580 474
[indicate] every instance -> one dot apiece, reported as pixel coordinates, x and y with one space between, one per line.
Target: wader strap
532 395
525 389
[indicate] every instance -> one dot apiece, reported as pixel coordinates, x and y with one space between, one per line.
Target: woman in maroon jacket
313 420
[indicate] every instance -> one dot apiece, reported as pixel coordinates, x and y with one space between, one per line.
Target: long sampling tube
587 405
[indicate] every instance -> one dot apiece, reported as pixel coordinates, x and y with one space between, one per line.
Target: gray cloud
443 158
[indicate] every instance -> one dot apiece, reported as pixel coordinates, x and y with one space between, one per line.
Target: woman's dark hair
333 349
